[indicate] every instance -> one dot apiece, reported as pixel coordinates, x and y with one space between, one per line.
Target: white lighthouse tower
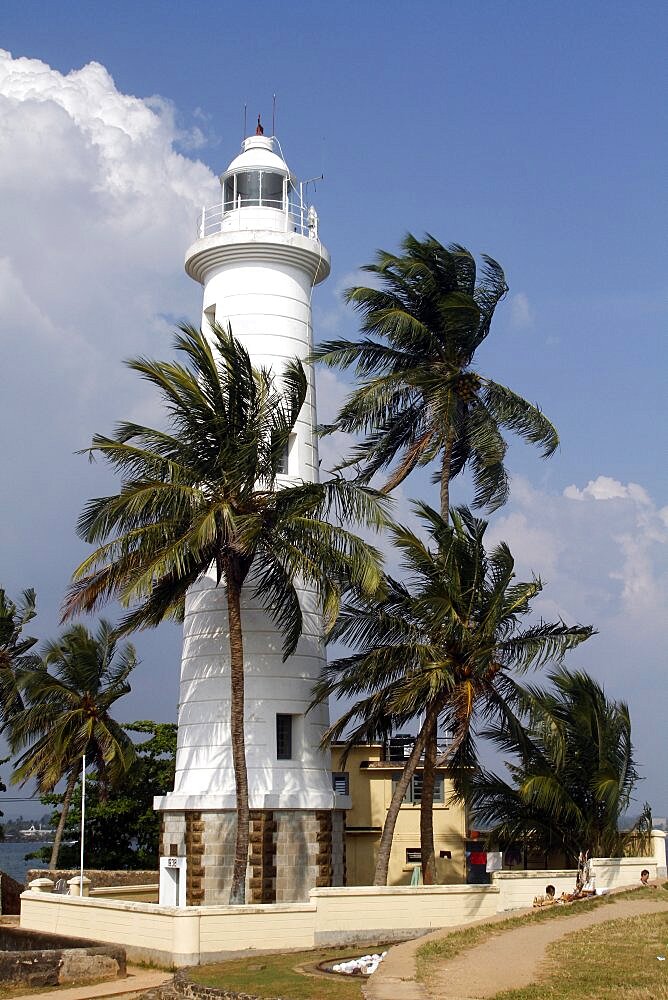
258 256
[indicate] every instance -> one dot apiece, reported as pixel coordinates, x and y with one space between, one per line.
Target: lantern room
256 178
259 192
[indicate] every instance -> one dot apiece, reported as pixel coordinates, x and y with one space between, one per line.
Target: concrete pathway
505 961
136 983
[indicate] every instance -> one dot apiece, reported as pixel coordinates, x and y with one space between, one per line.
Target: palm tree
15 655
66 715
204 493
447 642
573 774
422 399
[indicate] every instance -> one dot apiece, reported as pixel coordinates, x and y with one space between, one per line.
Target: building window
414 790
413 856
284 737
341 782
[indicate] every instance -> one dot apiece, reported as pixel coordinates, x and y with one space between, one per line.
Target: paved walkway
505 961
136 984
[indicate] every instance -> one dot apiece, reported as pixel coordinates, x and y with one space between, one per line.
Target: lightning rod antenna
244 135
273 117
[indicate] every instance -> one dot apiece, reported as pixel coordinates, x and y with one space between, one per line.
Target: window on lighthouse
284 737
272 190
283 461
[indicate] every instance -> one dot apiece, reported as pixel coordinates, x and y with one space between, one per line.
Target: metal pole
83 818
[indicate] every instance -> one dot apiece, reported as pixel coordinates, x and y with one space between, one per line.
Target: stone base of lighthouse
291 851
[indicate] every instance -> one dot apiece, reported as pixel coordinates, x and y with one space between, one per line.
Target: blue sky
532 132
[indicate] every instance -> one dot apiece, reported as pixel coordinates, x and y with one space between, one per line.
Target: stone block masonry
291 851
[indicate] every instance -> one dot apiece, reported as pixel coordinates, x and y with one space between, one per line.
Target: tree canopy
447 642
572 773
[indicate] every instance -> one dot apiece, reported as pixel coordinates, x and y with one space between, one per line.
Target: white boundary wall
169 936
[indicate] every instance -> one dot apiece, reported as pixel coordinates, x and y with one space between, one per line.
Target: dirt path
506 961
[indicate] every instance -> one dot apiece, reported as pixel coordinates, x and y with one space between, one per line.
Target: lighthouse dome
257 154
256 177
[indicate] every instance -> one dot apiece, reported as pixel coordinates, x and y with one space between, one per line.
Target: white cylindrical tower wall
258 266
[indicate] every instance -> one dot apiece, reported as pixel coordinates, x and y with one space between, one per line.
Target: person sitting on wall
644 879
548 899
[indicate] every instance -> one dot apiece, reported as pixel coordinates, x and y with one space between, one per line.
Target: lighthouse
258 256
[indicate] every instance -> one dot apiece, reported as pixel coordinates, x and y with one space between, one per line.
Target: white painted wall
258 275
195 934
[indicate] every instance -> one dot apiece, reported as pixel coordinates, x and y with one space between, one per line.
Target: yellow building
368 777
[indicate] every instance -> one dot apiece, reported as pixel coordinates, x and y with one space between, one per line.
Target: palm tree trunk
60 829
445 477
427 852
238 889
385 846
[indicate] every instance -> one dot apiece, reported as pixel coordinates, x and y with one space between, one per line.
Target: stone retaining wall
98 878
10 895
37 959
185 987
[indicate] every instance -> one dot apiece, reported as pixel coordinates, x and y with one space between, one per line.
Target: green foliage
420 398
122 829
15 655
451 636
447 643
65 714
572 773
205 493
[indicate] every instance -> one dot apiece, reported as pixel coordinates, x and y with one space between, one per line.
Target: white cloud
96 208
521 312
606 488
602 551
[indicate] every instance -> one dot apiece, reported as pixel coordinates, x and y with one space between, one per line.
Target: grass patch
608 962
453 944
292 975
447 947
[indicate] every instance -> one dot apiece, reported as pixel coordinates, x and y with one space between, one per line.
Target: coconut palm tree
15 655
204 493
422 399
572 776
448 642
65 715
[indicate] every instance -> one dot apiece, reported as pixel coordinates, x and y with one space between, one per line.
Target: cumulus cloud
606 488
602 552
603 549
521 312
334 318
97 206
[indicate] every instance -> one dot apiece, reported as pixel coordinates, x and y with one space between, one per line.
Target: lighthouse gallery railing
221 218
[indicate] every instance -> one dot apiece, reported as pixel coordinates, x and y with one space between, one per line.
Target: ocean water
12 858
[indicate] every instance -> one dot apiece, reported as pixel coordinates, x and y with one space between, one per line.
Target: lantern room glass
253 188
